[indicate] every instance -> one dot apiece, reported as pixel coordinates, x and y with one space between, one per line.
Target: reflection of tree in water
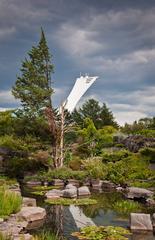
60 220
105 202
55 219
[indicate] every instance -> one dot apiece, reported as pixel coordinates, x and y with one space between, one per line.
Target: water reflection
66 220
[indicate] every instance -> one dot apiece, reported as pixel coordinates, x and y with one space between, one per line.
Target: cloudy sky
112 39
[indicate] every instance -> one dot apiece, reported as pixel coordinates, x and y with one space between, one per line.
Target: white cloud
5 109
6 97
128 117
76 41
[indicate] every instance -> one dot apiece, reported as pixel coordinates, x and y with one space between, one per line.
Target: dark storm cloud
113 39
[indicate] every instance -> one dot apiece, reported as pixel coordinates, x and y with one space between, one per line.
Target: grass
125 207
2 237
67 202
41 190
45 188
10 202
38 193
45 235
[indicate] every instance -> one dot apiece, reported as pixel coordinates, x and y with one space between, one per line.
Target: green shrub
130 168
75 163
115 156
149 153
102 233
10 202
95 168
63 173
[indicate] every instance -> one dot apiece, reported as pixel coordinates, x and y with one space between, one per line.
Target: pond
111 209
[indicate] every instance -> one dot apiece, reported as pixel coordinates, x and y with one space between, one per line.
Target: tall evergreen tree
33 87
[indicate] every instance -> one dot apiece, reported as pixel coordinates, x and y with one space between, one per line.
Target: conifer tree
33 87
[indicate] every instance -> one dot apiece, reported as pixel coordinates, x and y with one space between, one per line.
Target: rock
73 182
12 226
83 191
31 214
58 183
153 220
135 192
96 184
140 221
33 183
35 225
150 202
108 185
53 194
29 202
119 189
1 220
26 236
70 186
70 193
15 188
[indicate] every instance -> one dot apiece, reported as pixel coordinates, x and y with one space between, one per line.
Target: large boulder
135 192
140 221
83 191
29 202
31 214
70 193
55 193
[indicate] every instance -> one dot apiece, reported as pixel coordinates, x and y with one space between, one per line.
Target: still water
66 220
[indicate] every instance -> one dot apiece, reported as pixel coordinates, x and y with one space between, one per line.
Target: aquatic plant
10 202
125 207
67 202
102 233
